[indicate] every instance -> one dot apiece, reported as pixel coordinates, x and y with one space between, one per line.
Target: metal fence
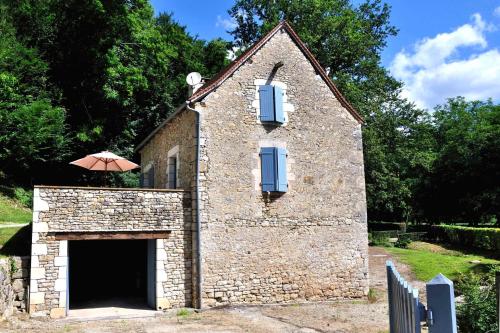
407 313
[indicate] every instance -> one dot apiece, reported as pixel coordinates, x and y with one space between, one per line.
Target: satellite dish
193 78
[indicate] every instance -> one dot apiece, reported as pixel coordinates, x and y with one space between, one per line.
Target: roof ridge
220 77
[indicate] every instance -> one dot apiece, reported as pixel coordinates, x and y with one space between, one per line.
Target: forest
81 76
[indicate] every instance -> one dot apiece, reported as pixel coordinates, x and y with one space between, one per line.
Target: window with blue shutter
273 169
271 104
266 102
268 169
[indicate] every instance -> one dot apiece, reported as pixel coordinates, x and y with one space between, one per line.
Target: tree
464 185
115 69
32 128
344 38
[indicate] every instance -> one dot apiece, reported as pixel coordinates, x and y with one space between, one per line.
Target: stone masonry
309 243
14 279
64 209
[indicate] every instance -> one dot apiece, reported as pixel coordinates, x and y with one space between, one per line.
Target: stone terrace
65 213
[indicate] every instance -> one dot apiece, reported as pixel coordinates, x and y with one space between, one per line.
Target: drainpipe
198 200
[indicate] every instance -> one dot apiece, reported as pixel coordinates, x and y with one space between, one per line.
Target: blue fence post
441 301
390 294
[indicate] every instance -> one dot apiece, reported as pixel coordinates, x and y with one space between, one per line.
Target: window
273 169
172 172
271 104
147 179
173 168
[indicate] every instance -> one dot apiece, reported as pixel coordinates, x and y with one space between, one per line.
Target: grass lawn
13 212
7 233
15 241
427 260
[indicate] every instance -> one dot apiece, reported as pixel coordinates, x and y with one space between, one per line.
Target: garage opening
110 273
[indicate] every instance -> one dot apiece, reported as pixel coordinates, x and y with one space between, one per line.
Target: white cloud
434 70
496 12
231 54
226 23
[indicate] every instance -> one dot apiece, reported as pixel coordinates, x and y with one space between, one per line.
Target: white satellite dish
193 78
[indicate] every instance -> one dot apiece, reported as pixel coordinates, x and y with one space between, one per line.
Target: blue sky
444 47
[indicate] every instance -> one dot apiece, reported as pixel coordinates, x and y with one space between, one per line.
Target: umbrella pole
105 172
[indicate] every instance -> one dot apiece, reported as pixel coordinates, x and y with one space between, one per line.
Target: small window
172 172
147 179
273 169
271 104
173 168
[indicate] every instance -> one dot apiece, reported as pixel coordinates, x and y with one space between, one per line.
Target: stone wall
108 209
65 209
181 132
309 243
14 279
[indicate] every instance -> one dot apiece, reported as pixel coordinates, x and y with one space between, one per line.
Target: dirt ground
340 317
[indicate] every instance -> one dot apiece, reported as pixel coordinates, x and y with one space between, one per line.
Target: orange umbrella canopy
105 161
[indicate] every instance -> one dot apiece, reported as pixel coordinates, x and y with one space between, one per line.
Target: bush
403 241
387 226
22 196
478 312
379 239
478 238
25 197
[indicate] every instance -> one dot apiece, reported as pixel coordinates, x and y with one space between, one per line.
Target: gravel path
339 317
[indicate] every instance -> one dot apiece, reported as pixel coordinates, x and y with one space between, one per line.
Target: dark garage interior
105 273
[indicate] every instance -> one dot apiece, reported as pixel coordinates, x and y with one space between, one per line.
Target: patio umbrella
105 161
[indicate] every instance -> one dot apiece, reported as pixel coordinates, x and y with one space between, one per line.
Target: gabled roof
218 79
231 68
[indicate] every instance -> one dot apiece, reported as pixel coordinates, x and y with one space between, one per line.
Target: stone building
254 193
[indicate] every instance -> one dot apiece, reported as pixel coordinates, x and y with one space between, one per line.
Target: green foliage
7 233
468 237
25 197
13 266
183 313
12 210
84 76
386 226
30 135
464 183
403 241
128 179
477 314
372 295
15 241
427 263
378 239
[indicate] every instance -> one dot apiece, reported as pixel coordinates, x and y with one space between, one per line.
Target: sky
444 48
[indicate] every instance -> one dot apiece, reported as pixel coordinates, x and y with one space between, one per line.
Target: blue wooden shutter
266 103
279 115
268 169
282 183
